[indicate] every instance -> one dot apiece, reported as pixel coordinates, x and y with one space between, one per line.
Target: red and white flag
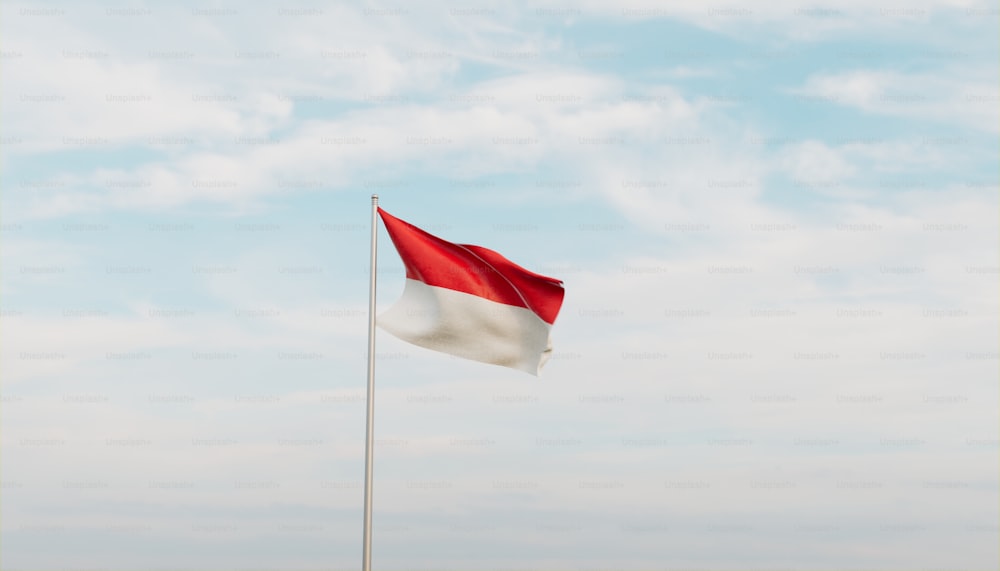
470 302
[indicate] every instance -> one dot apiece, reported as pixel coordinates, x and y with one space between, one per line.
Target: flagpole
370 417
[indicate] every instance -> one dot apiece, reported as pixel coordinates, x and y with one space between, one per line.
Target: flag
470 302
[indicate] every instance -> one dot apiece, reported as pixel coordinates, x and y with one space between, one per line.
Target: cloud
813 162
962 100
795 20
494 126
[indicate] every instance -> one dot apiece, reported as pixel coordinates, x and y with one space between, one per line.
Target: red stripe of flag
473 270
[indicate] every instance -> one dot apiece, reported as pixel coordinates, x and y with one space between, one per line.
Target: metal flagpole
366 564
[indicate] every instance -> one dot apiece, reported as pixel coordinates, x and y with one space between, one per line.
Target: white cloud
496 126
795 20
963 100
813 162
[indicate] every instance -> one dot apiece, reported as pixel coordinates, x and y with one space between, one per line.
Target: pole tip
374 198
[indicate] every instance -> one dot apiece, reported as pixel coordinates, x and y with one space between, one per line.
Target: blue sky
777 227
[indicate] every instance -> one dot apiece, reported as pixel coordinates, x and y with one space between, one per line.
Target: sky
777 225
